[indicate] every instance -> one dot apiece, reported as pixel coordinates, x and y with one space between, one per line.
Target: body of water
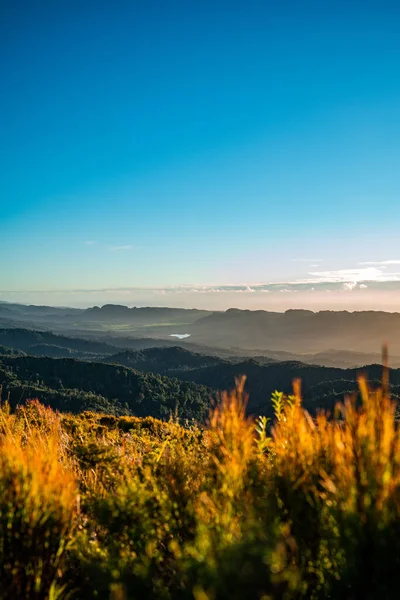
180 336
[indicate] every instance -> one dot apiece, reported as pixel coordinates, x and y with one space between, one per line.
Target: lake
180 336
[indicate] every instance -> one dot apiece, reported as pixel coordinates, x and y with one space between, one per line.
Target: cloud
350 285
120 248
90 242
355 275
265 288
340 282
380 262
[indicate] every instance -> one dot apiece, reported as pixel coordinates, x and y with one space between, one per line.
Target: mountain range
341 339
124 360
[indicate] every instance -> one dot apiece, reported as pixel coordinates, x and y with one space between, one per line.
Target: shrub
240 508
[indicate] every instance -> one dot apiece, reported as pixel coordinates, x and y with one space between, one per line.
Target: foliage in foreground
100 506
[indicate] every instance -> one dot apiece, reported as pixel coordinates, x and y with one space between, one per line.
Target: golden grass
306 508
38 503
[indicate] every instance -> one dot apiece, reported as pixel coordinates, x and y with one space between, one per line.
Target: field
101 506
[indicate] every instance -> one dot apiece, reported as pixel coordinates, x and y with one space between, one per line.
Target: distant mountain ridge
311 336
300 331
101 346
141 313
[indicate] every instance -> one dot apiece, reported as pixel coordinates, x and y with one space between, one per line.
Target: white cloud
380 262
355 275
349 285
339 281
120 248
90 242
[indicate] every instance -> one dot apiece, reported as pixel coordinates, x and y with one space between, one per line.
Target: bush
295 508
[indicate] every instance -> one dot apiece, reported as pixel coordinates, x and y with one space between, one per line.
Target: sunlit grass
98 506
38 503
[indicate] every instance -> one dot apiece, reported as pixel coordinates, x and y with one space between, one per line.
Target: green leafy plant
263 439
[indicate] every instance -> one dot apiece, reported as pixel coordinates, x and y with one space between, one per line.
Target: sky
201 153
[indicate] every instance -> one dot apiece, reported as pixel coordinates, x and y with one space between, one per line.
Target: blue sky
157 152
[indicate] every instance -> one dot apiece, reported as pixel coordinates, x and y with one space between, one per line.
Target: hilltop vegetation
100 506
165 361
5 351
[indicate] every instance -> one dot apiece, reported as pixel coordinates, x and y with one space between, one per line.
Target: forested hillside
46 343
159 381
322 386
165 360
72 385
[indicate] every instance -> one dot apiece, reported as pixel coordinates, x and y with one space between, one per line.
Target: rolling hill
156 381
46 343
322 386
165 360
73 386
300 335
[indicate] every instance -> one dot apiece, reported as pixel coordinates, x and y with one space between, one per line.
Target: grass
97 506
38 504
